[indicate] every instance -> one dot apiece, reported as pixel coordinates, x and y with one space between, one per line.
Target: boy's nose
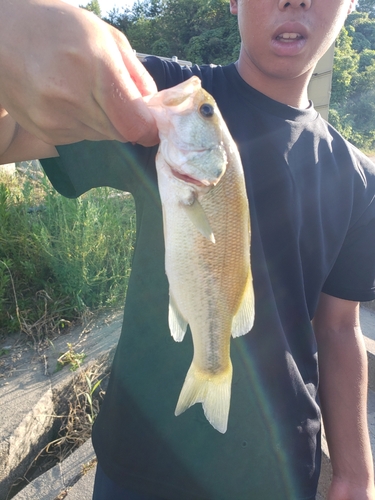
294 4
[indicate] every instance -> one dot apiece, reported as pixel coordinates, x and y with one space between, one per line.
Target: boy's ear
233 7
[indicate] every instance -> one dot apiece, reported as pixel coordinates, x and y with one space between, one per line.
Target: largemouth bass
207 240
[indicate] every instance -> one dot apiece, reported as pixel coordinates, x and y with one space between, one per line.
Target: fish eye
206 110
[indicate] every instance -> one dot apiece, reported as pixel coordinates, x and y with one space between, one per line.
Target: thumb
123 87
140 76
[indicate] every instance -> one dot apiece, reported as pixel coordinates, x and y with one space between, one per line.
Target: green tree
366 59
363 26
344 69
366 6
120 19
362 115
360 42
202 31
352 109
94 7
161 47
218 40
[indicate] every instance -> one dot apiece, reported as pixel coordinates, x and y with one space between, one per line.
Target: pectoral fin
177 323
199 219
244 319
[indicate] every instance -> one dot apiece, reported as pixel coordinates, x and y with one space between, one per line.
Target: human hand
342 489
67 76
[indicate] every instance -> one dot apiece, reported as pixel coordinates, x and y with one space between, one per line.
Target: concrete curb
32 394
83 489
31 435
61 477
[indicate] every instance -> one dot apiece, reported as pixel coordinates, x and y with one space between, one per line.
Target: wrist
346 489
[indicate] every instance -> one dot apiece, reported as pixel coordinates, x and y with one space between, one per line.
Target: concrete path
32 391
27 385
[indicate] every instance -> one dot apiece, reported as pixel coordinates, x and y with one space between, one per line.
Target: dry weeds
74 428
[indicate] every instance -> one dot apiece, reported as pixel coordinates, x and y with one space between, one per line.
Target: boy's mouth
289 37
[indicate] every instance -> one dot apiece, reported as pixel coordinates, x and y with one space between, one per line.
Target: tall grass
60 258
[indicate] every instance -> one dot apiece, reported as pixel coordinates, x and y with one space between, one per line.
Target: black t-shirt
311 197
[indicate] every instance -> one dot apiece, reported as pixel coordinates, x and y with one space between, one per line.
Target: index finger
123 82
140 76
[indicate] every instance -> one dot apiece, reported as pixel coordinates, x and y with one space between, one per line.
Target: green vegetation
204 31
90 401
94 7
60 258
353 87
201 31
366 6
70 357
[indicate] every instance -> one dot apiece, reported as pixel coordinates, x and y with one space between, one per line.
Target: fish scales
207 240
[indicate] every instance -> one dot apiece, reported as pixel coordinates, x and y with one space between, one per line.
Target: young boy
312 207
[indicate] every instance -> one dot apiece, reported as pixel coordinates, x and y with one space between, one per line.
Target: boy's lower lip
290 47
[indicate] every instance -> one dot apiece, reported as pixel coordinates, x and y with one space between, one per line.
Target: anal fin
243 321
177 323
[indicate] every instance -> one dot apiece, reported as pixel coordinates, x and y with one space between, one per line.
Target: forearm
8 128
343 393
18 145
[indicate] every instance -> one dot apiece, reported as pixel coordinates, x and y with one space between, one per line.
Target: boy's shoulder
341 146
168 73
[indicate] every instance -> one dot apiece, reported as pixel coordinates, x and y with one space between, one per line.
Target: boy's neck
292 92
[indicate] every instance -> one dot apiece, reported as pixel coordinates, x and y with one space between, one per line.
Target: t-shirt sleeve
168 73
352 276
86 165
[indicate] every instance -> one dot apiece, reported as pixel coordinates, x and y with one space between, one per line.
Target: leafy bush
60 258
352 100
201 31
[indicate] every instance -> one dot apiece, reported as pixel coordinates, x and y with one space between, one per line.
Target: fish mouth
189 179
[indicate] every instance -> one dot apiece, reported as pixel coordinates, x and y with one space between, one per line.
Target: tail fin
213 391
